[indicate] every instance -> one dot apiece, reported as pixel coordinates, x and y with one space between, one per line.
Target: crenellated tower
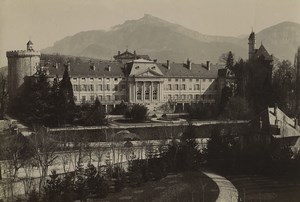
21 64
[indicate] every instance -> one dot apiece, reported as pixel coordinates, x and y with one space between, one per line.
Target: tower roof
29 42
251 36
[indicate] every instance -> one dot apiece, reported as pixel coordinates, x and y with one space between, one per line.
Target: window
116 79
107 87
83 98
198 97
83 79
176 97
92 87
169 79
123 86
100 87
169 97
197 79
84 87
91 79
183 97
147 91
107 79
183 87
191 79
139 92
75 79
100 97
190 87
190 96
117 97
204 80
99 79
116 87
169 87
108 98
176 87
176 79
75 98
183 79
92 98
196 87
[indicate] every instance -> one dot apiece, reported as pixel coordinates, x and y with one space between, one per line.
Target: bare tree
45 148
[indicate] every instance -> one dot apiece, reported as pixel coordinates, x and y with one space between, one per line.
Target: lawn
259 188
178 187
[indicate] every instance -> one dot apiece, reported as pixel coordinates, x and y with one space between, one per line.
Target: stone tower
252 45
298 83
21 64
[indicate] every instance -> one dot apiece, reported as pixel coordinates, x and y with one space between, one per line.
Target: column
151 92
130 93
134 91
143 91
161 91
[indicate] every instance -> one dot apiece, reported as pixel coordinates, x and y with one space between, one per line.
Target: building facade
130 78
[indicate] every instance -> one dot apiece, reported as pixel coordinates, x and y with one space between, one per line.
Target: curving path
228 192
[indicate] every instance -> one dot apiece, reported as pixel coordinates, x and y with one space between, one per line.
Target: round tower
252 45
21 64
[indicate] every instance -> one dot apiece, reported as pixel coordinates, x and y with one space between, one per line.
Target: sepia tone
149 100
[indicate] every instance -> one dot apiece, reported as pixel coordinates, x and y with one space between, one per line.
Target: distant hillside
163 40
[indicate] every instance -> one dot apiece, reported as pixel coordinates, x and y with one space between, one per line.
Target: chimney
134 52
155 60
93 67
119 52
189 64
56 65
168 64
296 123
208 65
108 68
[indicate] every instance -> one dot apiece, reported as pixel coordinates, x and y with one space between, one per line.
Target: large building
130 78
143 81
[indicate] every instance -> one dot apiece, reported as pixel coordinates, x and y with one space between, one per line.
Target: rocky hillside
163 40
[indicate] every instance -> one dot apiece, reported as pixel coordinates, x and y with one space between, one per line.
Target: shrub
138 113
164 116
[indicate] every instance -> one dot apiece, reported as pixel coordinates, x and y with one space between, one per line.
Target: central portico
145 82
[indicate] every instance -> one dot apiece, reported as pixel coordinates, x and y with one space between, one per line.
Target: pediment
148 73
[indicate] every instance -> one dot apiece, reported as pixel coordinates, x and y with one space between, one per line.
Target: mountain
163 40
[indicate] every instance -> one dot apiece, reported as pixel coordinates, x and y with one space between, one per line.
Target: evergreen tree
230 61
66 98
53 188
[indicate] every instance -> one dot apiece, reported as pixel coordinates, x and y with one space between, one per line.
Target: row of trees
226 153
52 103
257 85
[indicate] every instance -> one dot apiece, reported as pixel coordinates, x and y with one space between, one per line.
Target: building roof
116 69
285 123
262 52
128 56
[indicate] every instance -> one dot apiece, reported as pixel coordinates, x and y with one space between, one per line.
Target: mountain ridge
164 40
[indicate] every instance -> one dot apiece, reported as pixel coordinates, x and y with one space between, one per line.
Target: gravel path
228 192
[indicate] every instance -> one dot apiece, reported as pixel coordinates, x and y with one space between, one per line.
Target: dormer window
153 67
137 67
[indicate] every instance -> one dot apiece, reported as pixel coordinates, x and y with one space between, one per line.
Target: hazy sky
46 21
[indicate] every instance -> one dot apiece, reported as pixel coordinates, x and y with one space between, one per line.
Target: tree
237 108
3 95
66 102
283 87
53 188
95 183
138 113
227 59
45 148
96 116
